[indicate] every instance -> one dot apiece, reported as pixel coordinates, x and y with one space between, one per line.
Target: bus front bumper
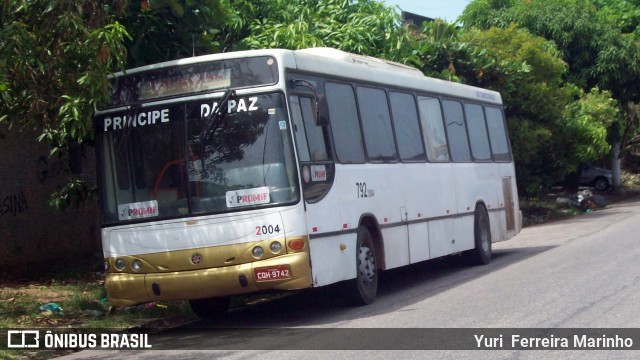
125 289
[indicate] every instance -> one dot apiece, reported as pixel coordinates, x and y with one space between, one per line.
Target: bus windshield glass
180 159
192 79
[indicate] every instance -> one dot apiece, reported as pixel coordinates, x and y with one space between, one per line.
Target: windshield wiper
213 118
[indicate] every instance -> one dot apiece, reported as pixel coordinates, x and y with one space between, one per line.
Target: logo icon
196 259
21 339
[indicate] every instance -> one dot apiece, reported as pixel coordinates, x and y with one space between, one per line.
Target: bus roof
347 65
338 63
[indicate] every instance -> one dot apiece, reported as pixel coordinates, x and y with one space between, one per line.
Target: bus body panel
206 256
396 247
130 289
191 233
430 197
333 258
375 191
419 242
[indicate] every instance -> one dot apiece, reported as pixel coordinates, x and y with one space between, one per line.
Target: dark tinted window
298 129
456 131
376 124
477 132
309 137
407 128
344 123
497 134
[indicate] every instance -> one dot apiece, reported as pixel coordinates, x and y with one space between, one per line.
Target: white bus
279 170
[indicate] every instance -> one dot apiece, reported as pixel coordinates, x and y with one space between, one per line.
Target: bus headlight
136 265
257 252
120 264
275 247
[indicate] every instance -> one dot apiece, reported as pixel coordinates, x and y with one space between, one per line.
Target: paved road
578 273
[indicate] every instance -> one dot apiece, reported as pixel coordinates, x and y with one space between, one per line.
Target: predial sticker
248 197
138 210
318 173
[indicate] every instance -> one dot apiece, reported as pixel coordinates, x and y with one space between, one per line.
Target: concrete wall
36 240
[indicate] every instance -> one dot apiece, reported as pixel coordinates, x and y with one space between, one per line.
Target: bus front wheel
210 308
481 253
363 289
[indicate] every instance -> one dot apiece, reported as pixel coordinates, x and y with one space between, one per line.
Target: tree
366 27
55 56
164 30
586 124
598 40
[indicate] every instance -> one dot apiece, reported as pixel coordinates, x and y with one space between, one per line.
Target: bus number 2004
267 230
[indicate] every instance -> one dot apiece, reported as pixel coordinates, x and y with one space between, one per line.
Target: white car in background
600 178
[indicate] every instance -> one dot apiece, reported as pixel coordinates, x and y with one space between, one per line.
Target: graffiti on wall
13 204
50 168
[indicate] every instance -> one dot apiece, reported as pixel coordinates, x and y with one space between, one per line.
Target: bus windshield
180 159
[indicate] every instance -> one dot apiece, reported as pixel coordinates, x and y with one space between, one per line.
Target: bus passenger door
321 200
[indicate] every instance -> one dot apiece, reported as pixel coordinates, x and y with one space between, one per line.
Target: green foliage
55 59
624 13
439 52
589 34
73 193
598 41
530 141
365 27
523 68
586 123
485 14
172 29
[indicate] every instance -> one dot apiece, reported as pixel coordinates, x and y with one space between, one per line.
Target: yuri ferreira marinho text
554 342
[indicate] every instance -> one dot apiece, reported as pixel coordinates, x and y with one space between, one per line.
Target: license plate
273 273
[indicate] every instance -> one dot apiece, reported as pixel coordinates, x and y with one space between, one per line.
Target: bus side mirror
321 111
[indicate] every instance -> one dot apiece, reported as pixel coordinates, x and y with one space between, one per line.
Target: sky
444 9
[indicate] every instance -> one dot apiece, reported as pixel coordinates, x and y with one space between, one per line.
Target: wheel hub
366 264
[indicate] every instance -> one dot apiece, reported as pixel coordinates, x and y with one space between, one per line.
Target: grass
83 303
540 210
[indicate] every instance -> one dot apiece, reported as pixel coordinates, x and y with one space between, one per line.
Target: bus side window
345 126
309 136
497 134
315 136
433 129
456 131
299 131
376 123
407 127
477 132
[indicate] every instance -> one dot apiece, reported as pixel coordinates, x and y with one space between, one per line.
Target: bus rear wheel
481 253
210 308
363 289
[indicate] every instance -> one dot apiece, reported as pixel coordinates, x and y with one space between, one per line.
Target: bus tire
363 289
210 308
481 253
